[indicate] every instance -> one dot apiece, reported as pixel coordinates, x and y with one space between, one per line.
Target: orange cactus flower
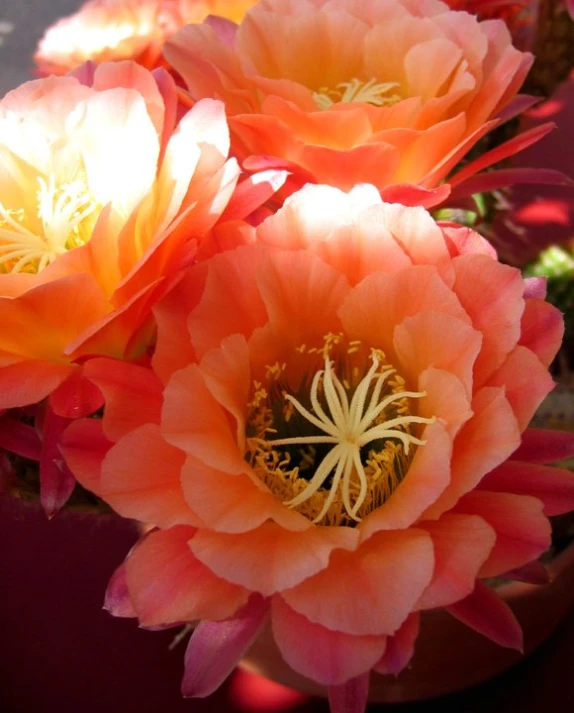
381 92
105 30
331 444
103 200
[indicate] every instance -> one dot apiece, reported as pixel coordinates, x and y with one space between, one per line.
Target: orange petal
324 655
369 591
542 329
141 479
84 447
269 558
167 584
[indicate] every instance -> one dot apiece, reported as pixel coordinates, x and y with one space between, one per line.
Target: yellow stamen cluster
66 216
343 455
356 91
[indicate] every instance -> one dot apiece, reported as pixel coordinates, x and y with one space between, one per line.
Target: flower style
380 92
103 201
105 30
337 441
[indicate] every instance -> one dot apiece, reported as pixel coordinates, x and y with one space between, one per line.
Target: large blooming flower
103 199
342 92
332 442
103 30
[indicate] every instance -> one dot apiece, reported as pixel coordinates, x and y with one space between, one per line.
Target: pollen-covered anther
356 91
348 427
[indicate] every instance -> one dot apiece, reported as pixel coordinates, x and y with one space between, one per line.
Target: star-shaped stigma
349 427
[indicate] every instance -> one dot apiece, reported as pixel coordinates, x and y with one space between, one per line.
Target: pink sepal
400 647
520 104
56 480
532 573
76 397
216 647
16 437
508 148
535 288
224 29
492 180
117 600
412 195
85 73
253 192
351 696
487 614
540 445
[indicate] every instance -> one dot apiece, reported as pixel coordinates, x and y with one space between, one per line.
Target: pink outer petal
486 613
216 647
526 382
323 655
234 503
542 329
522 530
461 543
400 647
492 295
482 444
351 696
545 446
141 479
270 559
446 399
535 288
428 476
553 486
56 480
84 447
193 421
411 195
117 601
532 573
16 437
168 584
370 591
462 241
132 394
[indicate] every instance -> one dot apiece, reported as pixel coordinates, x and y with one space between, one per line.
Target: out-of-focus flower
520 16
103 30
335 443
103 200
383 92
552 46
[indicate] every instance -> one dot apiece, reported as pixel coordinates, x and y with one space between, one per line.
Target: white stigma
348 427
61 211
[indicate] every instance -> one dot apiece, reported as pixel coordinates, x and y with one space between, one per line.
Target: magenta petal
412 195
56 480
535 288
16 437
76 397
117 600
216 647
532 573
540 445
491 180
351 696
224 29
487 614
518 105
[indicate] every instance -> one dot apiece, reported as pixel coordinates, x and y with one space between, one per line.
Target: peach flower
331 445
340 92
104 30
103 199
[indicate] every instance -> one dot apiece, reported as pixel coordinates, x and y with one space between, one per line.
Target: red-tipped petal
76 397
351 696
16 437
491 180
400 647
117 600
56 480
540 445
253 192
487 614
532 573
216 647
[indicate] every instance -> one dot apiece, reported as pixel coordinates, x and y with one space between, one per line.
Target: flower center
338 449
356 91
66 215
